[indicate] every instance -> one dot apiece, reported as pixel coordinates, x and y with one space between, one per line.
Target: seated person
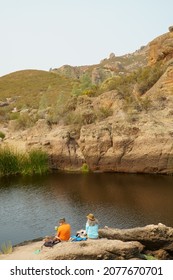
92 227
63 231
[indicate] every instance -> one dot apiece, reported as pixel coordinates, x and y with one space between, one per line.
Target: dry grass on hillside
28 87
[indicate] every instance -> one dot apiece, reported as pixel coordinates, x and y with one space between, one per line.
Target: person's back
64 230
92 227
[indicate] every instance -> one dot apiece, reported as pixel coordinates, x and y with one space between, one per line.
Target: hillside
119 119
29 90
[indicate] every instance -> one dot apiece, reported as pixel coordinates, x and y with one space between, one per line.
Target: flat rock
102 249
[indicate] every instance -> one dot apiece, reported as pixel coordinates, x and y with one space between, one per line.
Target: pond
31 206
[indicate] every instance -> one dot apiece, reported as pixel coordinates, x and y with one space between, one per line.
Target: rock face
131 140
118 133
171 28
108 67
161 48
114 244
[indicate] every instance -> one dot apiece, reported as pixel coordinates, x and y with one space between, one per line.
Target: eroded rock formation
117 133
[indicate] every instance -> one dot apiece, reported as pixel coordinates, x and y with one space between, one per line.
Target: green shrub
149 257
84 86
148 76
2 135
6 248
85 168
144 78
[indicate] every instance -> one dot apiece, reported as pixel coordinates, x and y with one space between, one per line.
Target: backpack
50 243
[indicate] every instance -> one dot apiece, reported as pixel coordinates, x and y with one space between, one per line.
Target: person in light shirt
92 227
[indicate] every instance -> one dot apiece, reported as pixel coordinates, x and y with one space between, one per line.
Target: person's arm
86 228
57 235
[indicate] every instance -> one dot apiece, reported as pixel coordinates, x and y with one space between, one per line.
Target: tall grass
34 162
6 248
9 162
39 161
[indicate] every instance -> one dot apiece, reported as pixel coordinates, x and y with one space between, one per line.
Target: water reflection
31 206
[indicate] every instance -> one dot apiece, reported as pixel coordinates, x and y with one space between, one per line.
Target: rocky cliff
117 130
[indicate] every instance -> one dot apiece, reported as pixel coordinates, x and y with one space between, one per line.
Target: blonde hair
92 223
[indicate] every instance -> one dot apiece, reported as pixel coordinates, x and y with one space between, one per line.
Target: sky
44 34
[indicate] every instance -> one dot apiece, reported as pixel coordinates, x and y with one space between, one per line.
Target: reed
9 162
39 161
34 162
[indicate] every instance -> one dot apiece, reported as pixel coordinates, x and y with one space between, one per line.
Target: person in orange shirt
63 231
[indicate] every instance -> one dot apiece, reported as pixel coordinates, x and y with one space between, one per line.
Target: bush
6 248
84 87
2 135
148 76
144 78
85 168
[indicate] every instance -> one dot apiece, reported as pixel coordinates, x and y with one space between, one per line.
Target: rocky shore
149 242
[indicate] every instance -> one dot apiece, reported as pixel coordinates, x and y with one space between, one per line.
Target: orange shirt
64 232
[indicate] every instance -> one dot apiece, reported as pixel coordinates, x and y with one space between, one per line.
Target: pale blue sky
40 34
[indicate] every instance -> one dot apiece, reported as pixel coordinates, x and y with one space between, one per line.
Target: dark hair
62 220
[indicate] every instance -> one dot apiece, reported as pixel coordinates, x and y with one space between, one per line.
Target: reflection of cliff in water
141 191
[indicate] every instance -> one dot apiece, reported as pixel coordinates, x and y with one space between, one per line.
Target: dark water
31 207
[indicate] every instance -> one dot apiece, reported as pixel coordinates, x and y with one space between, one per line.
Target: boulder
161 48
170 28
153 237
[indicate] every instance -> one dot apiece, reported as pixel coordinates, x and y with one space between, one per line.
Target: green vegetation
2 135
85 168
33 94
143 79
149 257
84 86
9 162
6 248
146 77
38 161
34 162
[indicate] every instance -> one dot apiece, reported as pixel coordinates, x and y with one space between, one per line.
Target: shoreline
149 242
